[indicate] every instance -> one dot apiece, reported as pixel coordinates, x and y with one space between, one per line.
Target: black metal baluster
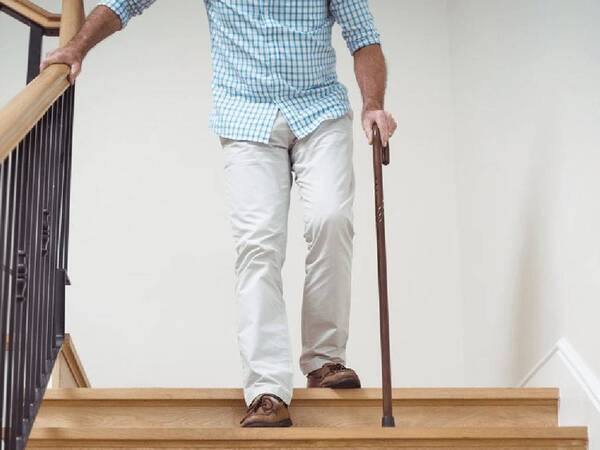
6 286
22 294
42 236
10 259
46 187
36 214
36 34
67 200
31 309
3 308
4 297
59 292
52 249
21 265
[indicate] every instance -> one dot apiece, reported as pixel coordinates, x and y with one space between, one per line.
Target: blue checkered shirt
271 55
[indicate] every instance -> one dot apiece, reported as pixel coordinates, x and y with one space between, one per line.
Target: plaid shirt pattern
271 55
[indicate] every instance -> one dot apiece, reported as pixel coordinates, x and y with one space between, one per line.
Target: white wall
151 253
13 57
527 108
526 83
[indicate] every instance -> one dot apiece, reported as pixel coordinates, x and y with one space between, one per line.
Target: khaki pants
258 181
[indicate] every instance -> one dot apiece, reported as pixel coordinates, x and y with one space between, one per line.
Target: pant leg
322 163
258 181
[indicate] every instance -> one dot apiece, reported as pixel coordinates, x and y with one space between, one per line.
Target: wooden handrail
34 13
19 116
72 20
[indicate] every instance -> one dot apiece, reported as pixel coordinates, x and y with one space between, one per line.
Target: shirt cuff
358 42
121 8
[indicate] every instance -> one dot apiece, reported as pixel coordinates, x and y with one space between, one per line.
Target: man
281 114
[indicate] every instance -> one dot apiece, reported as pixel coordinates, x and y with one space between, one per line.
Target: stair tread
312 433
303 394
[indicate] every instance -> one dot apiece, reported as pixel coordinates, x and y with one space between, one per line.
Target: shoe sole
344 384
280 424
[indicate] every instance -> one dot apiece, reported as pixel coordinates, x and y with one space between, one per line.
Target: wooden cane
381 156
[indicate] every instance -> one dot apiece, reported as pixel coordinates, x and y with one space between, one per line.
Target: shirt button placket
270 45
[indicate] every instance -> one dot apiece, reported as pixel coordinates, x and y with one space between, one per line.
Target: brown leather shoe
267 410
333 375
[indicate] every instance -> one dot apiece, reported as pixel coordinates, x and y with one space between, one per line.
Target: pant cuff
317 363
252 392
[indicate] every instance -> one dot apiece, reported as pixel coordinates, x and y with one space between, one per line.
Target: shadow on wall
535 312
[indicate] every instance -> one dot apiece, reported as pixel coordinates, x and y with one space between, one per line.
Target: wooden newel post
381 156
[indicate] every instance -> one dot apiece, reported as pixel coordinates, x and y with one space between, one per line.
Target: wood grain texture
181 408
61 375
373 437
227 395
153 416
470 446
19 116
68 371
72 18
33 12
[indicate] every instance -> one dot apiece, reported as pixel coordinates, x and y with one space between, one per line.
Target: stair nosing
310 433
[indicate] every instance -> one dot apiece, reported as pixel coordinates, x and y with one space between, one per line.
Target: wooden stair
323 418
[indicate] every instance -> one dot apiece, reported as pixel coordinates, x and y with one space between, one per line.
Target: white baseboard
564 368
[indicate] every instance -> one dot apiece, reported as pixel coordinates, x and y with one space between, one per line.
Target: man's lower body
258 180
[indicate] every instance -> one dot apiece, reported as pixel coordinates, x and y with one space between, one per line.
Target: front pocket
301 16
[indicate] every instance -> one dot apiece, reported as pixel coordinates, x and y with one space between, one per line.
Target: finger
50 59
44 62
75 70
383 130
368 129
392 126
391 121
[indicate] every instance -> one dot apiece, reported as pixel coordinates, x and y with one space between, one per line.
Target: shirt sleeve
126 9
356 21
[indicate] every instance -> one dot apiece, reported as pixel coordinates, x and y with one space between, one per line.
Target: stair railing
35 165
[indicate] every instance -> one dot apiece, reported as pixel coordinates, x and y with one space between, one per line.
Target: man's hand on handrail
100 24
68 55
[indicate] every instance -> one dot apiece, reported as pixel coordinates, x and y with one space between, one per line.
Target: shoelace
262 401
329 368
337 367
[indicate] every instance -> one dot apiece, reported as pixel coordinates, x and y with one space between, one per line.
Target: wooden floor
323 418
